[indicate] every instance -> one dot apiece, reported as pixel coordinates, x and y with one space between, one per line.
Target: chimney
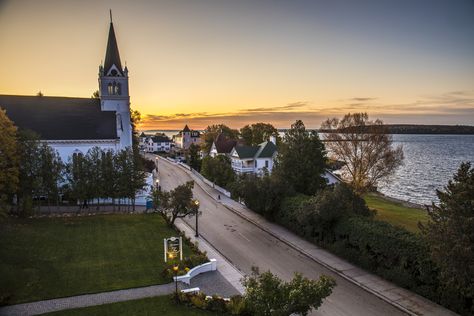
273 139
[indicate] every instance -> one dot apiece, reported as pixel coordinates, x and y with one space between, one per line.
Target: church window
110 89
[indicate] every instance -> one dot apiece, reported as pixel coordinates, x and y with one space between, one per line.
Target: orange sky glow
239 62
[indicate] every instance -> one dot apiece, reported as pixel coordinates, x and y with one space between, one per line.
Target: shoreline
402 202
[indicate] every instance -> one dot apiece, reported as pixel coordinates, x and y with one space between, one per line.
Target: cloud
455 107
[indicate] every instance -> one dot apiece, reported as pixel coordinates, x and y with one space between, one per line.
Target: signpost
173 248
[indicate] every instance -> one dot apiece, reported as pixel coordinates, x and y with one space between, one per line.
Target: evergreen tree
194 160
450 233
51 170
301 160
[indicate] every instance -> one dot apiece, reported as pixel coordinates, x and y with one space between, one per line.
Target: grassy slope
396 213
58 257
161 305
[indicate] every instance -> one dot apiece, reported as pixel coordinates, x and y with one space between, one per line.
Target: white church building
74 125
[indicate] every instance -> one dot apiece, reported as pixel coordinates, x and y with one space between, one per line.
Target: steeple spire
112 56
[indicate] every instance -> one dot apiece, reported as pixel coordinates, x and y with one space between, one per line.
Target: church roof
112 56
60 118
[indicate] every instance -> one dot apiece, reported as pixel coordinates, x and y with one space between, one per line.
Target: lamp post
175 270
196 202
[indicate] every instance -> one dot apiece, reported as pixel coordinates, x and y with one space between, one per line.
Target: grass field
161 305
396 213
58 257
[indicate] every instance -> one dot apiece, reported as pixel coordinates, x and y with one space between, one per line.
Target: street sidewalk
405 300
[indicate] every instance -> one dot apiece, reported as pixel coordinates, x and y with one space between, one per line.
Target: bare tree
365 147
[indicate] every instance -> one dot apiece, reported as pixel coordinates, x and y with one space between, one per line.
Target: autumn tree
9 160
177 203
267 295
301 159
450 233
211 132
365 147
257 133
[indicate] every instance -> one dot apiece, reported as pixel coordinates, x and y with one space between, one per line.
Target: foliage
193 157
258 133
266 294
148 165
301 159
29 171
450 233
315 217
9 161
365 147
218 170
177 203
261 194
95 95
211 132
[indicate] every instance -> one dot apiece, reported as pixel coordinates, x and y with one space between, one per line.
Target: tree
95 95
39 94
301 159
177 203
211 132
365 147
218 170
267 295
51 171
194 160
29 170
258 133
450 233
261 194
9 160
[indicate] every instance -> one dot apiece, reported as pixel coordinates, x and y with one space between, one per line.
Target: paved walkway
403 299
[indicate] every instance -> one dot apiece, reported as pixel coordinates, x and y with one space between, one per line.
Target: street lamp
196 202
175 270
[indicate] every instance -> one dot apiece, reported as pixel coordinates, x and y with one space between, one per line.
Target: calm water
430 161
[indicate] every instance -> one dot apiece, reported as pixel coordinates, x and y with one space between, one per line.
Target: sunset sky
221 61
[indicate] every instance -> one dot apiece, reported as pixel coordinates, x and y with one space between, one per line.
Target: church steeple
112 56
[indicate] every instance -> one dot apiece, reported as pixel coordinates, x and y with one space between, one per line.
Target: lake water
430 161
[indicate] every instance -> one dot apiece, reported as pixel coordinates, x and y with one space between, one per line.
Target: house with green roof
254 159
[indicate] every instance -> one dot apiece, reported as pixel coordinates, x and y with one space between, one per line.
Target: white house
158 143
254 159
75 125
186 137
222 146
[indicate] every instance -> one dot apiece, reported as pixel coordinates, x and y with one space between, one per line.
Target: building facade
186 137
254 159
75 125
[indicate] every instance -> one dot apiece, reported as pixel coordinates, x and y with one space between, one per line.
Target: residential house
186 137
254 159
158 143
222 146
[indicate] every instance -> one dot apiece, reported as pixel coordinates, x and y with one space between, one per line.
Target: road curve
246 245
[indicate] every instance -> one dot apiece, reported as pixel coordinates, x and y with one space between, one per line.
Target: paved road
246 245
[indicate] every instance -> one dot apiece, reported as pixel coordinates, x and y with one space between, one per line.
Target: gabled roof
112 56
223 144
263 150
60 118
142 135
160 139
186 128
266 150
246 152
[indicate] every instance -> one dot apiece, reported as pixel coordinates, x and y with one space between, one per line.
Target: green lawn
57 257
396 213
161 305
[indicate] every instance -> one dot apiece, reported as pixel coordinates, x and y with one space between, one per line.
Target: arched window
110 89
117 89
